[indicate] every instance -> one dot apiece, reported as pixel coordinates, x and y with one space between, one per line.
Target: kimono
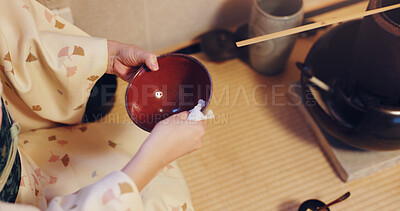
47 68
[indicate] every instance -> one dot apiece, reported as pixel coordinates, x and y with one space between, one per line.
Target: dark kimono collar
10 164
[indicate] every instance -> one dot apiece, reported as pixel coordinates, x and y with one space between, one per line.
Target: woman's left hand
125 59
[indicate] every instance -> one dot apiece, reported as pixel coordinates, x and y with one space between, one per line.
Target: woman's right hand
175 137
170 139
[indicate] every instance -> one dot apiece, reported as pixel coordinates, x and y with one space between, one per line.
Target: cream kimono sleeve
116 191
48 66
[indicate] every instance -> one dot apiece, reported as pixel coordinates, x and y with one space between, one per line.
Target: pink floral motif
108 196
70 70
64 52
39 173
178 208
169 167
48 15
36 181
91 85
52 180
54 158
64 160
175 208
62 142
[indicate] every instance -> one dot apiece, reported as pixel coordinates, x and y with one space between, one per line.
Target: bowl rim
142 68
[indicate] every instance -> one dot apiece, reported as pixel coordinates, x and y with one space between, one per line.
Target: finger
132 55
125 73
182 115
143 57
151 62
130 75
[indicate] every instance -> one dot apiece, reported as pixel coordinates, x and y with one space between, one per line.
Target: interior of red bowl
177 86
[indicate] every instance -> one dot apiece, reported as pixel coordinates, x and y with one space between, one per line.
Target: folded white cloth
196 114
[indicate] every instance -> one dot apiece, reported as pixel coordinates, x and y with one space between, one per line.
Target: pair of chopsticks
316 25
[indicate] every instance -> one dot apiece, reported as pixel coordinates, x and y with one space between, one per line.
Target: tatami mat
264 156
259 154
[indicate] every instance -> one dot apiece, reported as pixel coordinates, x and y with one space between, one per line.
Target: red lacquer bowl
177 86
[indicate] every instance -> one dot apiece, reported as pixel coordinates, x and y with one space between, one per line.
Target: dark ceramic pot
177 86
376 63
348 112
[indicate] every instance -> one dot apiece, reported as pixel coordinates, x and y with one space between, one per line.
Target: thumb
151 62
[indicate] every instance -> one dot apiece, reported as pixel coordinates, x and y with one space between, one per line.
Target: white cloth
196 114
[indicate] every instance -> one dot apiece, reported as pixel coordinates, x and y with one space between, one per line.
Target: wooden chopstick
316 25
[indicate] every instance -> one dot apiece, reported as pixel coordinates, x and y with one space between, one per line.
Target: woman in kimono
48 67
